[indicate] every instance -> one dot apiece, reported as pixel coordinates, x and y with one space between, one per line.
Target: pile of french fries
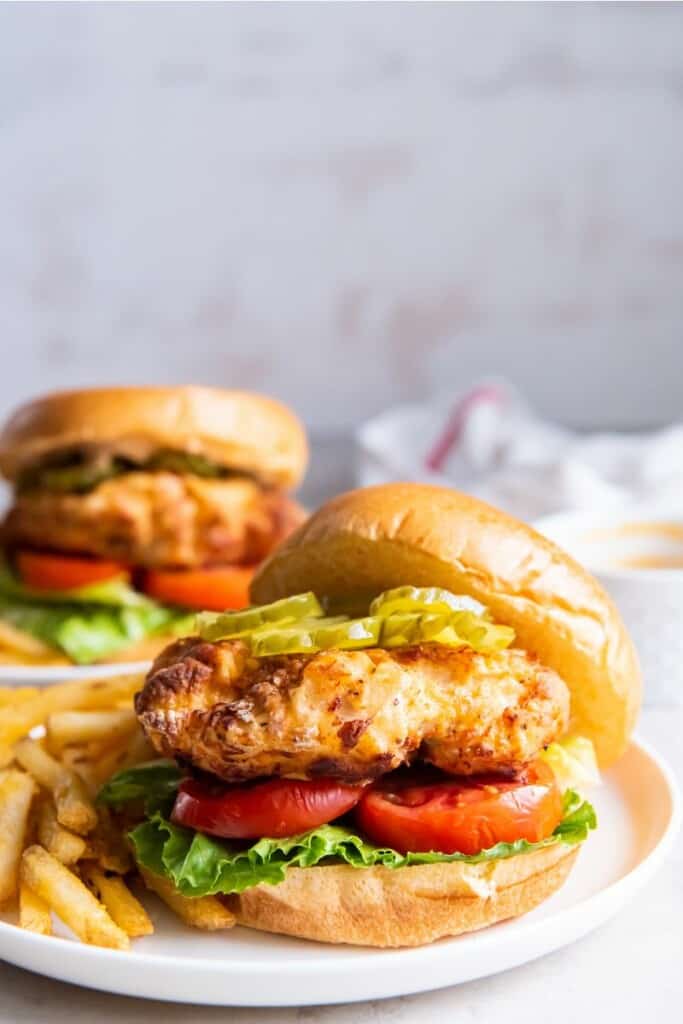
60 852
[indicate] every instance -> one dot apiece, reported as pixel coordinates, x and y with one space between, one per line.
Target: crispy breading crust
349 715
157 520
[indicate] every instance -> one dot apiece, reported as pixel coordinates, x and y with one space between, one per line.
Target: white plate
44 675
639 811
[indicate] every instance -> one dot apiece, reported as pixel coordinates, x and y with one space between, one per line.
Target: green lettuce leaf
155 783
88 633
89 623
199 865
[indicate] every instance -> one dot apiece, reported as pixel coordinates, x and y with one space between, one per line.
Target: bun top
237 429
369 540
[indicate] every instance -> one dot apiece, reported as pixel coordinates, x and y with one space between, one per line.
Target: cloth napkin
491 443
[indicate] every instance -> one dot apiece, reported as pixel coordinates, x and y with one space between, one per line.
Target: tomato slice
275 809
213 589
464 815
45 571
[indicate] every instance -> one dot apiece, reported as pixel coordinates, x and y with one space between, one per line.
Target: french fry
16 640
16 694
16 793
70 899
79 762
123 908
75 809
91 732
101 766
95 765
34 913
107 845
137 751
18 720
62 844
205 912
65 728
45 770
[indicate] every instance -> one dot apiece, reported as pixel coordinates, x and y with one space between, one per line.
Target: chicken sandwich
392 744
133 505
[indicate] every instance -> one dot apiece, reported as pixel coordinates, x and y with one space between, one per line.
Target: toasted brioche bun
369 540
237 429
404 907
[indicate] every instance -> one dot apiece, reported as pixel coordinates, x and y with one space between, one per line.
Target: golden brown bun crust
368 540
238 429
405 907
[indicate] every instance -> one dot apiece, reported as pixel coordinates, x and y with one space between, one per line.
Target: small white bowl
638 558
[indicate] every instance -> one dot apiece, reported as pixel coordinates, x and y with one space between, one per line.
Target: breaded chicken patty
157 520
349 715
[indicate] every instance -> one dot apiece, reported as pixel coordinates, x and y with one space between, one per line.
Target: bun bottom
405 907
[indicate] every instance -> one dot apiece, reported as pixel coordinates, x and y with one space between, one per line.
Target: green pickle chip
351 634
432 600
400 630
285 640
467 629
308 638
398 618
221 625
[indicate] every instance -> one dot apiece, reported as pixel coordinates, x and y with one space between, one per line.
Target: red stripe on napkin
450 436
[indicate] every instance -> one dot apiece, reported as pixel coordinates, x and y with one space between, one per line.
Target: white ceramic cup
638 558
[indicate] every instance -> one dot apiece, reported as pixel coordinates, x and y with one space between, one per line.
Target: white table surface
629 970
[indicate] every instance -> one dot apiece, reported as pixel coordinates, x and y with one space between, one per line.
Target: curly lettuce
199 865
87 623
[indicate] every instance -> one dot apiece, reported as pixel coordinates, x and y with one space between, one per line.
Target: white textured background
346 204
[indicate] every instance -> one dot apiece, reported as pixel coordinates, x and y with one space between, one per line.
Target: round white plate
639 811
45 675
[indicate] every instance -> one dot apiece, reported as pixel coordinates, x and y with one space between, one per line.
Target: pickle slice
221 625
432 600
398 618
285 640
350 635
461 629
469 630
299 639
403 630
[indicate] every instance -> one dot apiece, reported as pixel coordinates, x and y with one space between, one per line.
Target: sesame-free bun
407 906
371 539
237 429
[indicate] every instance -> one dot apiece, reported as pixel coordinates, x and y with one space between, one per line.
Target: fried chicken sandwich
391 745
132 506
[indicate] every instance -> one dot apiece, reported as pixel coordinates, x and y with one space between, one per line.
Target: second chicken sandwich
133 505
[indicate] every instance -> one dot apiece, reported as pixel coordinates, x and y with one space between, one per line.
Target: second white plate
45 675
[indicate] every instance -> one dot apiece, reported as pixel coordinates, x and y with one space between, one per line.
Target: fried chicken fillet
349 715
157 520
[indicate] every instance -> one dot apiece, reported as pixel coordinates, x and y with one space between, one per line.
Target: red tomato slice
465 815
214 589
45 571
274 809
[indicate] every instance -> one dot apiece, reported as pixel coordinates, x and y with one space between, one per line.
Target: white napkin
491 444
